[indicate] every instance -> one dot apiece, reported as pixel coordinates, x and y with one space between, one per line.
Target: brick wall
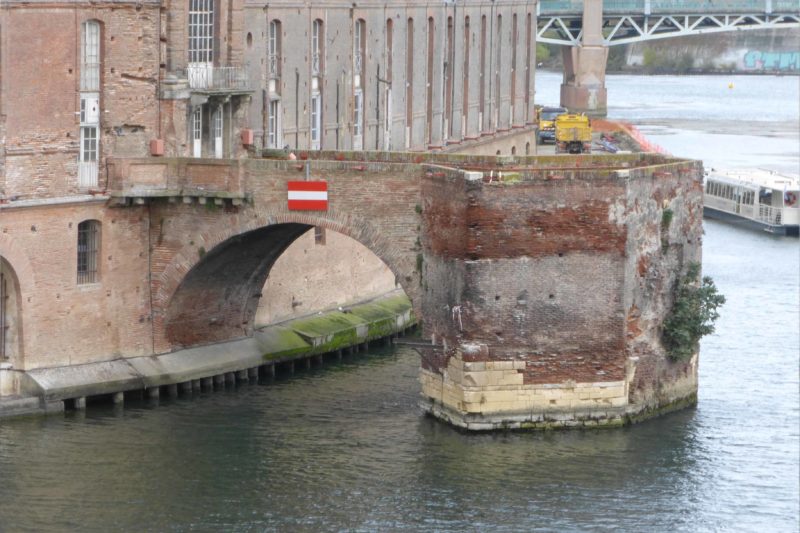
41 100
375 204
543 266
66 323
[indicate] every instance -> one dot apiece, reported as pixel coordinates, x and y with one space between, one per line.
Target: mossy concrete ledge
288 341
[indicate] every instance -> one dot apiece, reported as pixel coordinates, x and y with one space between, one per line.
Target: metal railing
767 214
631 7
273 65
210 77
316 65
358 63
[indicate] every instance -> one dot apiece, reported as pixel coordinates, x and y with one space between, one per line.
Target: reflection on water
346 448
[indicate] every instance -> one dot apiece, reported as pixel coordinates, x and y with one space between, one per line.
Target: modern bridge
586 28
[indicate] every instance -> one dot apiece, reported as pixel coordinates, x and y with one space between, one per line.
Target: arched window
465 93
201 43
10 325
409 80
498 57
274 44
387 88
482 101
88 250
448 84
429 83
528 60
317 47
359 58
317 55
513 68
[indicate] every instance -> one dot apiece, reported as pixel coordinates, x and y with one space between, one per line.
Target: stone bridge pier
541 283
584 87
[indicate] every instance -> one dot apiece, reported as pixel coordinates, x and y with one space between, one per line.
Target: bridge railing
671 7
175 177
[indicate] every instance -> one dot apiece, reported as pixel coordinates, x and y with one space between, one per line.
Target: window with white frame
273 124
89 104
201 31
197 132
274 49
316 47
88 247
316 120
89 142
358 119
90 56
217 131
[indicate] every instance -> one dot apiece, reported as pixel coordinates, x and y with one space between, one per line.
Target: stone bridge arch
211 294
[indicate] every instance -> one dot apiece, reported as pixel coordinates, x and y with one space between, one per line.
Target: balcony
213 79
316 65
274 66
136 180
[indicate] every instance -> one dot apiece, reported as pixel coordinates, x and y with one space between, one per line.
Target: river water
344 447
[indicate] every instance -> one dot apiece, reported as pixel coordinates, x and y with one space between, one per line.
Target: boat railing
767 214
770 215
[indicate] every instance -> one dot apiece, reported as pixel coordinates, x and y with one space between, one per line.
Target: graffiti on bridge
782 61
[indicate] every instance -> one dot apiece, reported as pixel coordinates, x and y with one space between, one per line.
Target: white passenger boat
760 199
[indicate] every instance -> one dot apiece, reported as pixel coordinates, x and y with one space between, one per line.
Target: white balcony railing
228 78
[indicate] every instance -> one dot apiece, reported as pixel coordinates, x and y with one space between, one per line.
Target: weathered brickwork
41 102
541 282
66 323
544 317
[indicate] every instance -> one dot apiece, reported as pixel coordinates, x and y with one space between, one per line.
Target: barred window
88 248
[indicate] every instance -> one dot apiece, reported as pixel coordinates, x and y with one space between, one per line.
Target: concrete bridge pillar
584 87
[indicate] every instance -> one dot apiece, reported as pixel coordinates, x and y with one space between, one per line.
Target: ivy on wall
693 314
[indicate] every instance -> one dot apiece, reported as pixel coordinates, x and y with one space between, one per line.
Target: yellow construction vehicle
573 134
545 117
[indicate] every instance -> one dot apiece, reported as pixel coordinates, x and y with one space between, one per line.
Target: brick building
84 82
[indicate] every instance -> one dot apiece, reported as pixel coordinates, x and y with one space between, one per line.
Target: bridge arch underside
218 299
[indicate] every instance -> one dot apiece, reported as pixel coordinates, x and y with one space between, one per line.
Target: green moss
512 177
278 342
333 330
201 252
666 218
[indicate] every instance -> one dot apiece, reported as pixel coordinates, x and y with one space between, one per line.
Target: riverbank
304 340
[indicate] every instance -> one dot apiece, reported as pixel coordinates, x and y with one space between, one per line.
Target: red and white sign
308 195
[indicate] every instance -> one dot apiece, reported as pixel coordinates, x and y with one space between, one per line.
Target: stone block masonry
541 292
540 309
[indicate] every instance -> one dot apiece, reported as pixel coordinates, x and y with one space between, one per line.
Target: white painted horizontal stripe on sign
308 195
